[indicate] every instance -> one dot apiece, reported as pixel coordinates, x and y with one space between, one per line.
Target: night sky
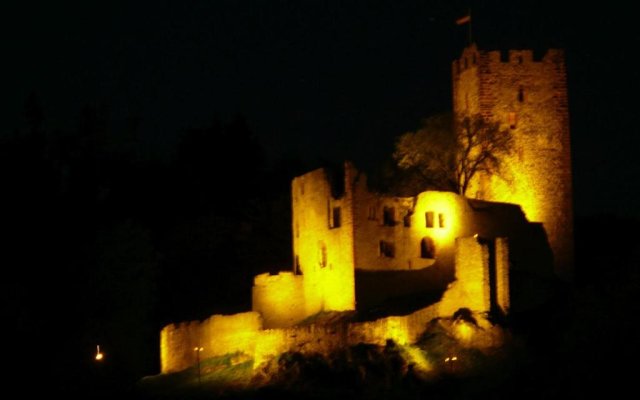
108 244
318 80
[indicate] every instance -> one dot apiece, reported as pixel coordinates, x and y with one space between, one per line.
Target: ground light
99 354
198 350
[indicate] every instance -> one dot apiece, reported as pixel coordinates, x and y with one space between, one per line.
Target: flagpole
470 22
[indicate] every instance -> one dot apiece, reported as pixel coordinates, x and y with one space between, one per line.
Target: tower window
388 216
521 94
336 218
387 249
441 220
428 216
519 59
512 120
427 248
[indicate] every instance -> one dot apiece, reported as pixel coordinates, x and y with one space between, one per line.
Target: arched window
427 248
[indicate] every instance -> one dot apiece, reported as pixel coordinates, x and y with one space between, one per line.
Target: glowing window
427 248
387 249
429 219
388 216
441 220
336 218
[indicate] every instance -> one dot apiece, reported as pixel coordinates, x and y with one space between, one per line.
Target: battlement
471 58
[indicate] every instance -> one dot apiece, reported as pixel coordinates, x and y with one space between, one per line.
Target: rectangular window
387 249
429 219
336 218
407 220
388 216
512 120
441 220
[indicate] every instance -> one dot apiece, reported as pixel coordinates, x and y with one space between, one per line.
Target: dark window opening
521 94
512 120
388 216
323 255
336 218
407 220
387 249
474 58
441 220
519 59
429 219
427 248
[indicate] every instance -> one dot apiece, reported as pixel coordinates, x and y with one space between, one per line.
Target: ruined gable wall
324 252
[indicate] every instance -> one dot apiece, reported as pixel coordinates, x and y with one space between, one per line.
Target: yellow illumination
99 355
464 331
417 357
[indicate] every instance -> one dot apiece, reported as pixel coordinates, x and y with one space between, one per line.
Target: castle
370 267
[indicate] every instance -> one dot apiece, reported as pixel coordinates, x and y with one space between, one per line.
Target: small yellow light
446 359
198 348
99 355
454 358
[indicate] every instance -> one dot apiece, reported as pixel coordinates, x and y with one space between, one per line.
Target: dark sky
317 79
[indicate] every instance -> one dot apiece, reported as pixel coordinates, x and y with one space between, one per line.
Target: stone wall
217 335
323 241
471 288
279 299
503 298
529 98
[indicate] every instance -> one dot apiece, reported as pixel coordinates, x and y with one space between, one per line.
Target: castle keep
529 97
370 267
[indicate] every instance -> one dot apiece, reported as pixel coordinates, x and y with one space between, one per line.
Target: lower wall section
244 332
217 335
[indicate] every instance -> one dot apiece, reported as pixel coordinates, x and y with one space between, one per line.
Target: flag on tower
463 20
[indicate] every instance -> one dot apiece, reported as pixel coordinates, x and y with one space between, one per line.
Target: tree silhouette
447 156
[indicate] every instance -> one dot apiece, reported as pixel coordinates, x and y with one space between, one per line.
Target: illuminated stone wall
217 335
529 97
471 287
220 335
449 217
323 243
279 299
503 298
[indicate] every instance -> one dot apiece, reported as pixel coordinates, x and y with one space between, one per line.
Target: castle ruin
370 267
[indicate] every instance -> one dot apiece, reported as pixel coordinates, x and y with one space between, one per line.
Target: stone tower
529 97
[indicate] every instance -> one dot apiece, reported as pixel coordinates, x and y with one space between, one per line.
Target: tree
447 155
